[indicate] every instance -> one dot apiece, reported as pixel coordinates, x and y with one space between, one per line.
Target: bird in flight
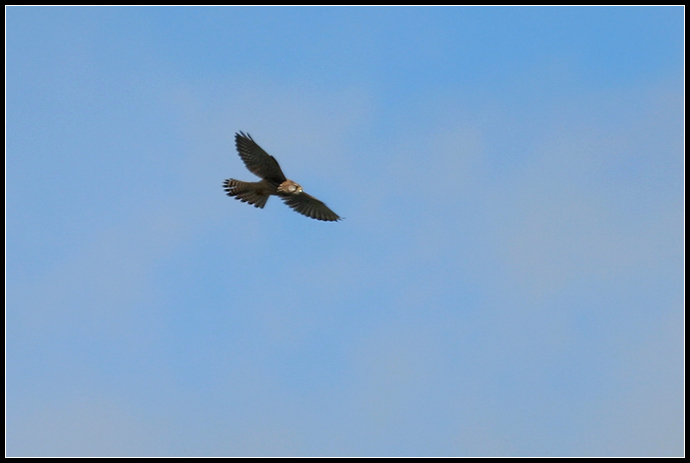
273 182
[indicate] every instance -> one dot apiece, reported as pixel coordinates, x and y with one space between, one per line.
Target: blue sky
508 279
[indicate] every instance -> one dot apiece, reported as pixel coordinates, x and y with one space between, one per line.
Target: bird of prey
273 182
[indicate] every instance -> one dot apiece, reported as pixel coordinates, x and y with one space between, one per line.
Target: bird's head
290 187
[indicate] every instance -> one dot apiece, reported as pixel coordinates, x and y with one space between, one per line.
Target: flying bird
273 182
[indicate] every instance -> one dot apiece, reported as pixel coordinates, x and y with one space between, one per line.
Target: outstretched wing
311 207
258 161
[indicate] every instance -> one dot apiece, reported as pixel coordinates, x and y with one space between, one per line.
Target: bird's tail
248 192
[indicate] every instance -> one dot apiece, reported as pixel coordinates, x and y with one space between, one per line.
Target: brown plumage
273 182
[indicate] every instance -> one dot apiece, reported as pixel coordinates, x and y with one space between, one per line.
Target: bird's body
273 182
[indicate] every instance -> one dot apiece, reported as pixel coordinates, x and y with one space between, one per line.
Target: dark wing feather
258 161
311 207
